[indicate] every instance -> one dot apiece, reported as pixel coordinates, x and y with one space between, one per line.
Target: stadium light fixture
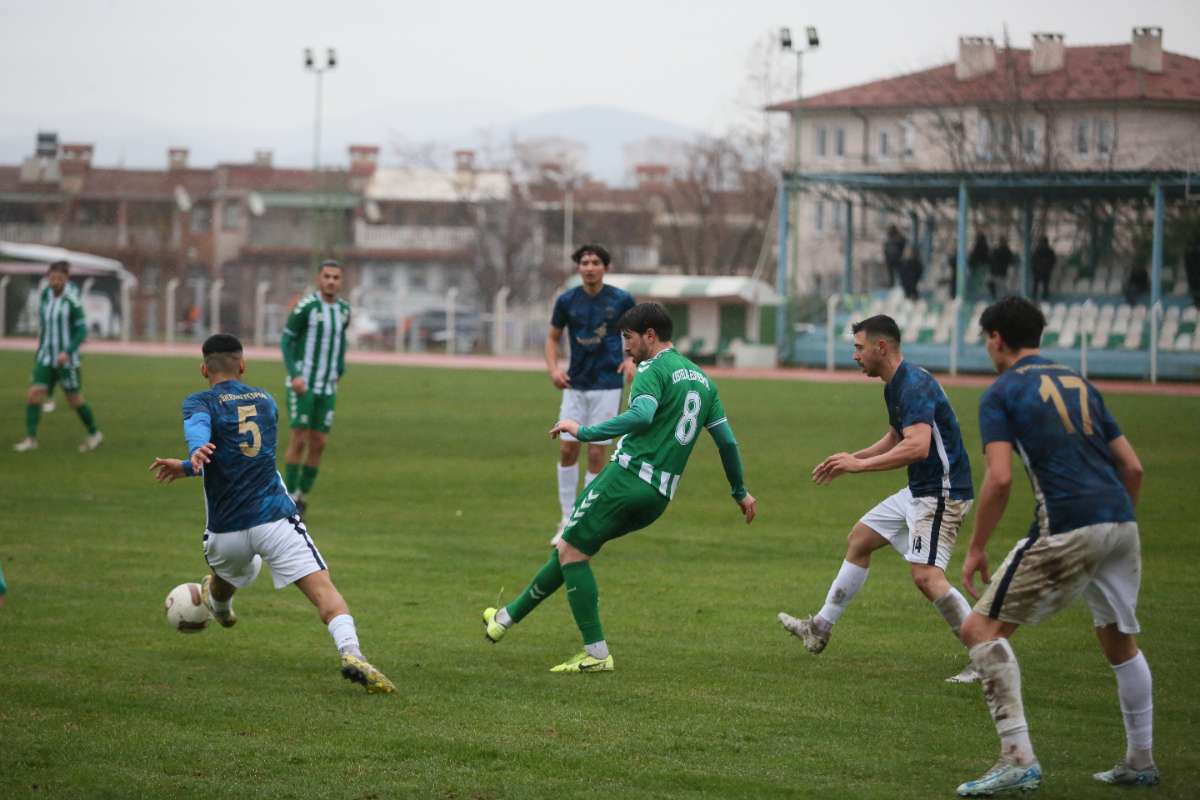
319 70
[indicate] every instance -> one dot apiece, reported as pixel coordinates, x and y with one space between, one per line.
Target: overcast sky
224 77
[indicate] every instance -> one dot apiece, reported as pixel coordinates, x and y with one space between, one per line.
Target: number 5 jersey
242 486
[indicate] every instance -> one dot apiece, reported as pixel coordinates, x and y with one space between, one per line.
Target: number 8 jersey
687 401
242 486
1058 424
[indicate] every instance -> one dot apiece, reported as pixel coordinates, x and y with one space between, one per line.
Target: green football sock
544 584
85 414
291 477
308 476
584 597
33 414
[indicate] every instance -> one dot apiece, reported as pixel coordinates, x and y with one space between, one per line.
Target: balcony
135 237
413 237
31 232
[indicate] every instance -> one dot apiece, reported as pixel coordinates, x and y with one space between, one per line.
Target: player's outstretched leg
1135 693
584 598
930 579
1017 768
319 589
497 621
815 630
218 596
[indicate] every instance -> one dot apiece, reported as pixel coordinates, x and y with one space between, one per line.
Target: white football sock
849 580
954 609
345 637
597 649
568 484
503 617
1001 678
588 478
1134 690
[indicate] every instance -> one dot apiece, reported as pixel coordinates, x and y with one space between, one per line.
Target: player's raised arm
635 419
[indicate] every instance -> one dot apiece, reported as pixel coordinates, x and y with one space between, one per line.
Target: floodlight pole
312 65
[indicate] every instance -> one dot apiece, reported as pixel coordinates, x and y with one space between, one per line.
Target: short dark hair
880 326
60 266
1018 321
222 352
645 316
594 249
330 262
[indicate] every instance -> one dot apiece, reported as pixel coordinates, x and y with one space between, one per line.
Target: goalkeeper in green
670 401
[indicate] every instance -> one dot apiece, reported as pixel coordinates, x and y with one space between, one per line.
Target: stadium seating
1108 322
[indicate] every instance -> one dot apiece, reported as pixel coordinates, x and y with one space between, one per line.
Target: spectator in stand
1042 261
1002 258
1191 262
979 259
1137 284
893 254
911 269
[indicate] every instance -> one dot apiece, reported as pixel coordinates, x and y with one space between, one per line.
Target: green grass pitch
437 492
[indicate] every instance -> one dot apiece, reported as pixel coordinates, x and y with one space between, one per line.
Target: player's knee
569 554
36 394
975 630
568 454
930 580
75 400
316 442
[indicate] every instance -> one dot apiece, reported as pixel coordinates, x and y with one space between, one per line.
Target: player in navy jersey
921 520
1086 478
592 384
230 430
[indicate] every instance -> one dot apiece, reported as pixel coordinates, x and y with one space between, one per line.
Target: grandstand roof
1061 185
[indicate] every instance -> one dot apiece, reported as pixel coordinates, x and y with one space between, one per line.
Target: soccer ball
185 611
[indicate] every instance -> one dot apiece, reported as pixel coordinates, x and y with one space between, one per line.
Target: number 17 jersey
1058 424
242 487
687 401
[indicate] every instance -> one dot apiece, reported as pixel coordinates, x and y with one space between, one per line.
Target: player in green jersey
63 329
670 401
314 352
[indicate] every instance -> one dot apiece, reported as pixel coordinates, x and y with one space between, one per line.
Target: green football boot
493 631
582 662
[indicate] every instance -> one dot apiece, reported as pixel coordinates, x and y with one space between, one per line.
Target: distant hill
126 139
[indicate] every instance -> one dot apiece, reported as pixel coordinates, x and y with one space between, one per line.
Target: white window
1104 137
839 142
819 215
908 133
820 142
1029 139
1083 136
231 216
883 144
983 144
839 219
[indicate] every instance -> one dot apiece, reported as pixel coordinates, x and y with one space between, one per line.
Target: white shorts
1044 575
589 407
237 556
922 529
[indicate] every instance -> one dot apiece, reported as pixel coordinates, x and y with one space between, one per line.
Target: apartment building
1046 108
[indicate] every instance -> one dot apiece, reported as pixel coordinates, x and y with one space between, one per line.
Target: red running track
534 364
